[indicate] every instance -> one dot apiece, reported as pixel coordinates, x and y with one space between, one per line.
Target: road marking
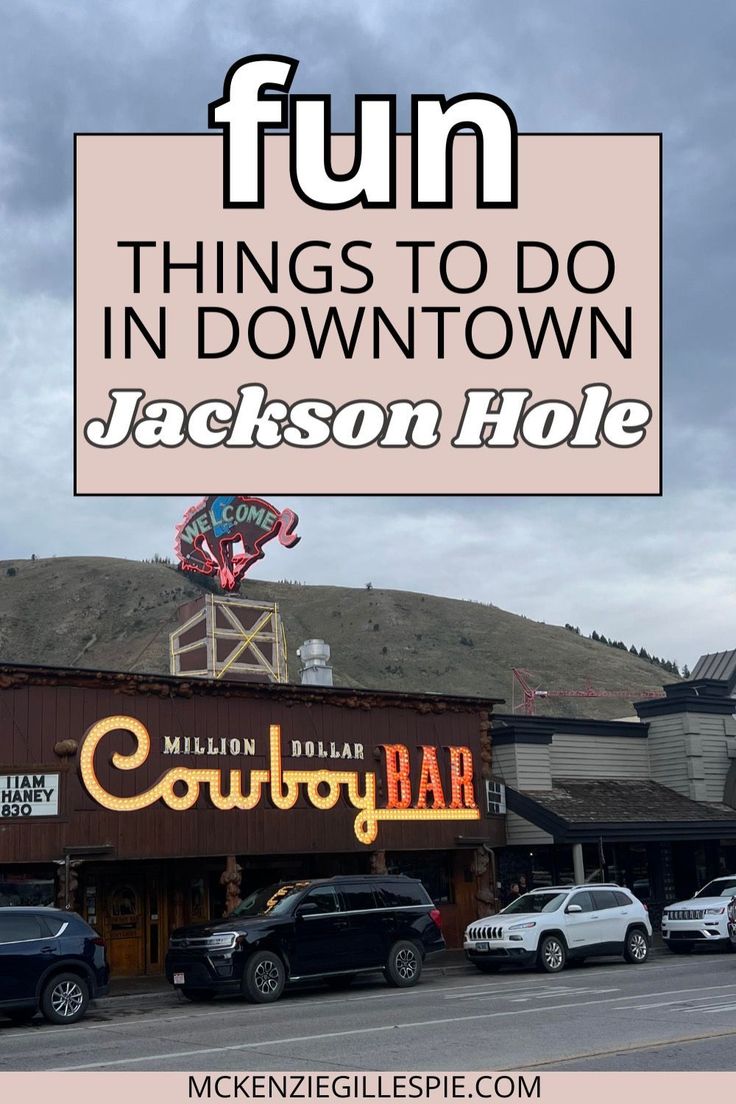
684 1002
358 1031
628 1049
533 994
248 1010
572 993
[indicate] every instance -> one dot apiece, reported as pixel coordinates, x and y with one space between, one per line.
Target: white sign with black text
28 795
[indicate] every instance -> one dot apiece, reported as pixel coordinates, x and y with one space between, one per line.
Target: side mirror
309 908
574 908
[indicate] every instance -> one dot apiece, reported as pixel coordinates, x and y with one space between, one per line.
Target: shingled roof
578 810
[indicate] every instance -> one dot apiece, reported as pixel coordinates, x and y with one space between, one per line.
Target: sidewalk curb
149 987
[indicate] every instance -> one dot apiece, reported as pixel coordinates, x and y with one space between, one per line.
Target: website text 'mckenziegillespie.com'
361 1086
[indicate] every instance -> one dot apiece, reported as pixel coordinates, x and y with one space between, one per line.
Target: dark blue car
50 961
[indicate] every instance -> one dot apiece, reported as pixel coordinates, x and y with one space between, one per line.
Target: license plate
481 946
178 979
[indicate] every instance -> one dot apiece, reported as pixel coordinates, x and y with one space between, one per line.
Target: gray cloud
622 566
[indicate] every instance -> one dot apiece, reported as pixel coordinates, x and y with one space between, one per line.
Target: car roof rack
577 885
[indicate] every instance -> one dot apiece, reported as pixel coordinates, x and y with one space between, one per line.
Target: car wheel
680 948
552 955
198 996
264 977
65 999
404 965
341 981
636 948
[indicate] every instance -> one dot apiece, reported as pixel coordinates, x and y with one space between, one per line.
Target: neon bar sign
322 788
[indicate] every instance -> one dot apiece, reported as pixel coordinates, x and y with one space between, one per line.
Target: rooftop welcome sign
457 309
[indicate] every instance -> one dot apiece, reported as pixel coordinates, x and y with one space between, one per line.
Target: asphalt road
669 1014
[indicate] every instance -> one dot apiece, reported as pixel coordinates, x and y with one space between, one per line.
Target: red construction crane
531 694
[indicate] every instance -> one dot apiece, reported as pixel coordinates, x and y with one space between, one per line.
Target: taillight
646 906
99 941
436 915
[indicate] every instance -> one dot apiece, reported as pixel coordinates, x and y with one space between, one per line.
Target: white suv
546 927
703 919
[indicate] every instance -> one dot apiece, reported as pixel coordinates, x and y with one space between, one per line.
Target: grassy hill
116 614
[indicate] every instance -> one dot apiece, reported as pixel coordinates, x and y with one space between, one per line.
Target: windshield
536 902
722 887
271 901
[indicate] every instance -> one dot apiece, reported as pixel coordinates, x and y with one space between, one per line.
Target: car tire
65 999
264 978
681 948
552 954
636 947
198 996
404 965
341 981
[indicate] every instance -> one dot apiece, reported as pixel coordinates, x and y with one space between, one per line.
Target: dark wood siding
34 718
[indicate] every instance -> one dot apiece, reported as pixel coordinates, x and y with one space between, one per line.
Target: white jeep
546 927
701 920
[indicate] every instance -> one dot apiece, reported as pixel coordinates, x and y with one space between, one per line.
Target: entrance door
126 927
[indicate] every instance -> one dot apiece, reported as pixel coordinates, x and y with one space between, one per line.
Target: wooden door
125 926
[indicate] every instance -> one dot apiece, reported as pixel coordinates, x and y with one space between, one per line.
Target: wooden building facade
145 802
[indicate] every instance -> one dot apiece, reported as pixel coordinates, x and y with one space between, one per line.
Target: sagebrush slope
116 614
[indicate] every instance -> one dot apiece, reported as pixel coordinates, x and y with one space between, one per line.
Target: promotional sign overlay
224 535
455 310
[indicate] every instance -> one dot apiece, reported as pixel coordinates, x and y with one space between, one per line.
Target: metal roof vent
315 660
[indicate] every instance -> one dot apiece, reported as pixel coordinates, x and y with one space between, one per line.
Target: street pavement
668 1014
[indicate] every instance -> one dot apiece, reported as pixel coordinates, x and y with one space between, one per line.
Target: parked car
50 961
547 927
332 929
731 915
702 920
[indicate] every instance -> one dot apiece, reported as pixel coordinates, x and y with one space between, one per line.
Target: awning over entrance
579 810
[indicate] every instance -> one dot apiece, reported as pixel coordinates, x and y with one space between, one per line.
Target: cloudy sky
658 572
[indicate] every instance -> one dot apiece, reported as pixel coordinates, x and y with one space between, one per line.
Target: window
358 898
396 895
272 901
536 902
324 897
433 870
583 899
723 887
19 929
53 924
622 899
26 891
605 899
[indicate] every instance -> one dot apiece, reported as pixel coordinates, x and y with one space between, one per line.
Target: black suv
50 960
328 928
